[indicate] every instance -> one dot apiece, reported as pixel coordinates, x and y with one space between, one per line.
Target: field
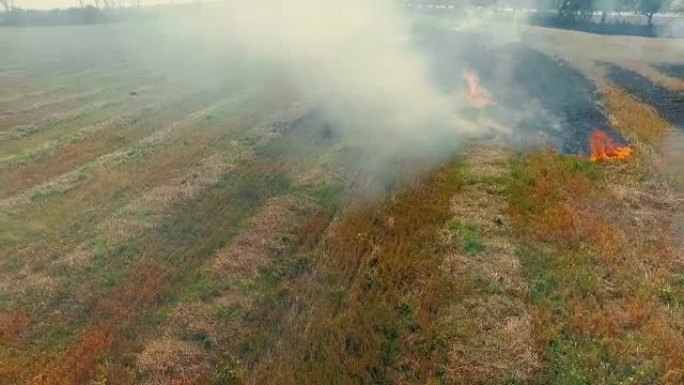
174 214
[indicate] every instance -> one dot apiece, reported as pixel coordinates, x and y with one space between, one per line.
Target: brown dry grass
608 247
495 338
636 119
167 361
13 324
281 222
253 249
387 300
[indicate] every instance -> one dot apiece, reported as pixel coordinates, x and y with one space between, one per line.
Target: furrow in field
146 211
29 95
54 222
221 208
69 151
276 227
56 119
124 119
62 183
11 119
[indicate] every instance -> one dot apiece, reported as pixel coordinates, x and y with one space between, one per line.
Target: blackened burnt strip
535 93
570 111
674 70
669 104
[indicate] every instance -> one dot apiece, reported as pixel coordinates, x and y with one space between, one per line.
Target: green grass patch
468 236
330 195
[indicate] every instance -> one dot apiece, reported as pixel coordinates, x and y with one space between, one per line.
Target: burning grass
602 148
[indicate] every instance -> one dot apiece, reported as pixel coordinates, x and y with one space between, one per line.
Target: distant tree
7 4
649 8
575 10
606 6
677 6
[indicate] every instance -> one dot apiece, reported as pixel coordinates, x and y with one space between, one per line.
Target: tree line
566 12
82 12
583 10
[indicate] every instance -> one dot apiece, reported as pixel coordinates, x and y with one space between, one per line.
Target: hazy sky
49 4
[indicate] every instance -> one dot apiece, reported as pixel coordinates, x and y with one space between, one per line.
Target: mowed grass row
93 100
108 269
104 312
59 215
28 110
74 148
25 93
394 292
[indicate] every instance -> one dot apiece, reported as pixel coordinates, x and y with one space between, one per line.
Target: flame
603 148
477 96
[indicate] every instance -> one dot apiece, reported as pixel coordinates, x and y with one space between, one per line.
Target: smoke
354 60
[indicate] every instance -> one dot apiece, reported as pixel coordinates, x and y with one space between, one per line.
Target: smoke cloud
355 60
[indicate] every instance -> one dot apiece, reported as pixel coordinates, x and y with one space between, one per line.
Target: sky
50 4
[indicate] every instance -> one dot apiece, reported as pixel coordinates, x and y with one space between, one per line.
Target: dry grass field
156 227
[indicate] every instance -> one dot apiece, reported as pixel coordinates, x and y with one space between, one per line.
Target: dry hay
166 360
269 231
263 132
13 324
24 130
277 124
130 220
194 318
79 134
254 249
27 281
67 181
144 212
487 159
318 175
504 350
673 154
501 345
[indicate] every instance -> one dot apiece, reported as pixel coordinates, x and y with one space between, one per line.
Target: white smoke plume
355 58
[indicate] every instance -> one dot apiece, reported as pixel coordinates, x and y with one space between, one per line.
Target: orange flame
603 148
477 96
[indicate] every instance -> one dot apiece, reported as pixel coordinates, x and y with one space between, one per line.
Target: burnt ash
669 104
674 70
543 98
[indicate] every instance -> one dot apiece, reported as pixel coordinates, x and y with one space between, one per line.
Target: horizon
63 4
